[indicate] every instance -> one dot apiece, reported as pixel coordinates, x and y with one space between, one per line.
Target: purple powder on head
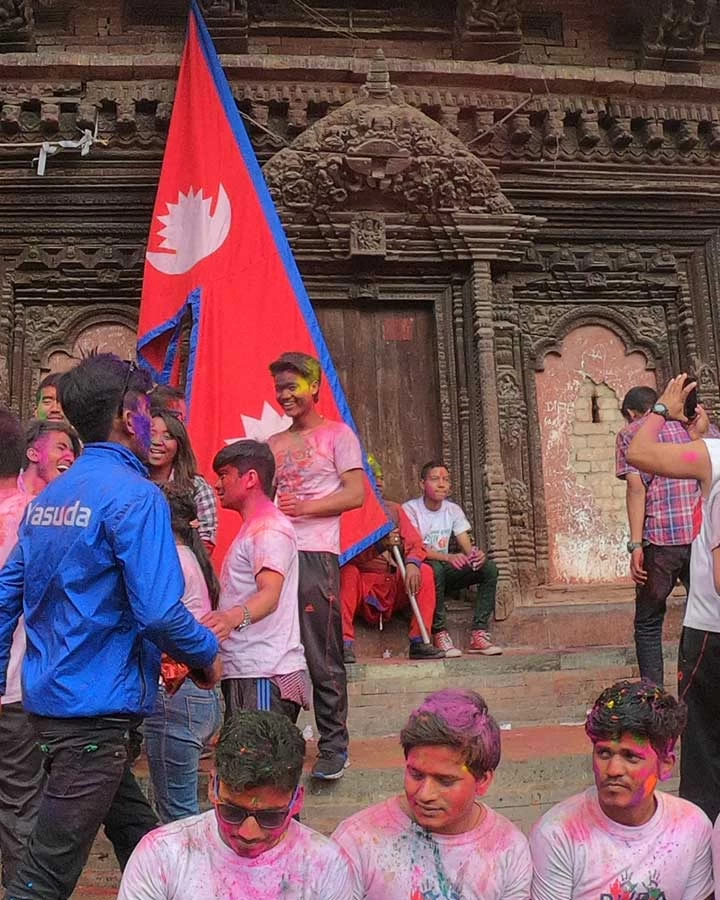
464 711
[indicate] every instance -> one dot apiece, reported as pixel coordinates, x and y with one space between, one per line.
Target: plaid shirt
206 502
669 502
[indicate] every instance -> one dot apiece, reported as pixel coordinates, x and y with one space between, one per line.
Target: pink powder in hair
456 707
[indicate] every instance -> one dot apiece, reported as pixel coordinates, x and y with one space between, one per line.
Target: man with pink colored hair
622 838
438 839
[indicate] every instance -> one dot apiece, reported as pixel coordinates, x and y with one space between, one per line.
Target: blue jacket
97 575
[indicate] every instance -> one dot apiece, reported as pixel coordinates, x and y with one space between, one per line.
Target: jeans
175 735
21 782
699 687
89 781
664 565
448 578
321 633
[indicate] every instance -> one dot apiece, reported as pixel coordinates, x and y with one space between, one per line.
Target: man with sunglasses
96 573
249 844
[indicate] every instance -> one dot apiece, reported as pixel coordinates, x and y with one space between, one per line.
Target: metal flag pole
413 602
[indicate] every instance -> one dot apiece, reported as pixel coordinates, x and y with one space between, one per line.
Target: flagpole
413 602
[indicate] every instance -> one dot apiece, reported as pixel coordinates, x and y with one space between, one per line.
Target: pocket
203 715
80 767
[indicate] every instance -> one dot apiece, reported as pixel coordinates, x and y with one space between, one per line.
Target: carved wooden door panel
386 358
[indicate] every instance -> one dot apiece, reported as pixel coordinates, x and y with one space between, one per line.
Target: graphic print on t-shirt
627 887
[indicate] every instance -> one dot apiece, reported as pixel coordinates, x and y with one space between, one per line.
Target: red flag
219 260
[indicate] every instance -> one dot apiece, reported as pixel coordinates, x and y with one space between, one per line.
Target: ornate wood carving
17 26
487 29
674 35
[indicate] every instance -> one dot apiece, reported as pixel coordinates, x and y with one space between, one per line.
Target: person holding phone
660 516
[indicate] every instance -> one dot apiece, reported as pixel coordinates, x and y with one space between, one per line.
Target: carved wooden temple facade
506 212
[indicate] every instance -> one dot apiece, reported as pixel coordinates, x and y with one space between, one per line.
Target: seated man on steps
438 839
249 845
437 519
623 838
372 585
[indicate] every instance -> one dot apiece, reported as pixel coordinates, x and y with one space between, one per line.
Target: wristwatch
247 620
633 545
661 410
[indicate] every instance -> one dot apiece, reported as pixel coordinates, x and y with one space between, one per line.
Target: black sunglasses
131 369
270 819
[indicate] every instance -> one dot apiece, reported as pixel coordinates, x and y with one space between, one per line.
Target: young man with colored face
257 620
370 584
699 653
47 403
438 839
97 576
249 845
623 838
438 519
51 447
319 473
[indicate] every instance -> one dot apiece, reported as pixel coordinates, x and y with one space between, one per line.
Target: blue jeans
175 735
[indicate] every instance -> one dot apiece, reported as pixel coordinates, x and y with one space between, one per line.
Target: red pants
372 594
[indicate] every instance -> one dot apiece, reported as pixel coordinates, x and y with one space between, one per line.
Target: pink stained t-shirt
395 859
579 853
271 646
309 464
187 860
12 508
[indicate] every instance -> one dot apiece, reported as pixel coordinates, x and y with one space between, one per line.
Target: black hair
457 718
94 391
39 428
162 394
258 748
245 455
184 520
12 444
51 380
429 466
639 708
638 399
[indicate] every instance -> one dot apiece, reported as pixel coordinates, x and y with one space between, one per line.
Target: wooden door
387 362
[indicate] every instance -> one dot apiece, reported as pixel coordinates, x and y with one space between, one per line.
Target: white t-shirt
271 646
195 596
702 610
309 465
579 853
395 859
187 860
716 855
12 508
436 525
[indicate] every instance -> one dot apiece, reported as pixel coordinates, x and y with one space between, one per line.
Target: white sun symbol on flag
269 423
190 231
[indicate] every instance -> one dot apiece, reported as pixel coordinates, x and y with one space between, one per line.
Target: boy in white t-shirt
699 653
438 839
622 839
257 621
249 845
438 519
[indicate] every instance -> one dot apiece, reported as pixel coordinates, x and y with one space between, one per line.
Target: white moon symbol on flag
190 232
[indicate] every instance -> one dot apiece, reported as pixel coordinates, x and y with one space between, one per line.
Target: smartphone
691 401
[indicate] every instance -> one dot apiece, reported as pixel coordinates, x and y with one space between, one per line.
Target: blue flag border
282 247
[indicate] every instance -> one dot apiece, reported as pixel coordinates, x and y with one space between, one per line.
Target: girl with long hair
171 459
184 720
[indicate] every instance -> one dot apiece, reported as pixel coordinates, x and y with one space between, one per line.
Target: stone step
606 622
521 687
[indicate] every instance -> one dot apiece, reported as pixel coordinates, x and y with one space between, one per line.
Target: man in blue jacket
97 575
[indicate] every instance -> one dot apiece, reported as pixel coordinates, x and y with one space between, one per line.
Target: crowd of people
114 626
